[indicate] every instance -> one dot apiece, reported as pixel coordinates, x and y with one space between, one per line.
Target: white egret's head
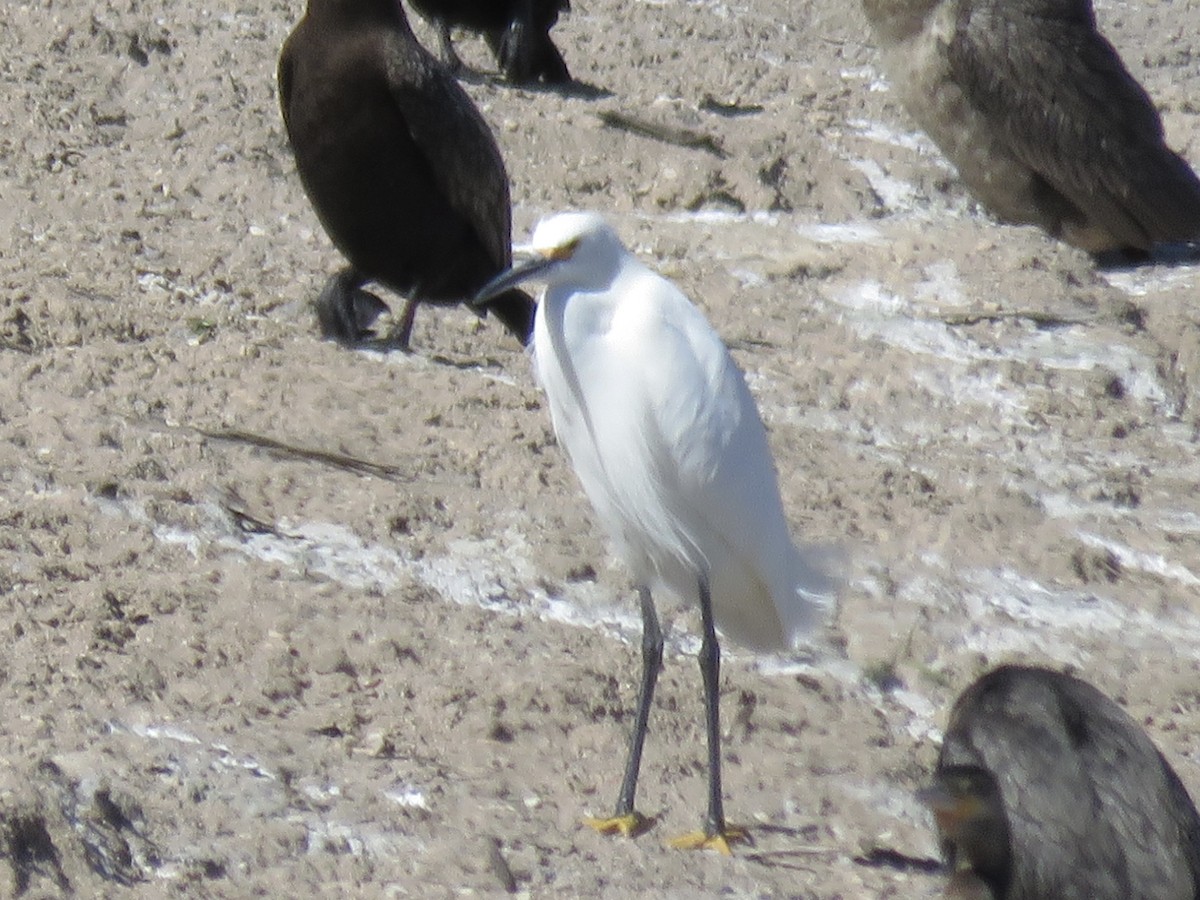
576 248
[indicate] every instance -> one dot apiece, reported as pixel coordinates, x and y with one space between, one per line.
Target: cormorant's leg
449 55
626 819
716 835
401 332
345 312
549 64
515 50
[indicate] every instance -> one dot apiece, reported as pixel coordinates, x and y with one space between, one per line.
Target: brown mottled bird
399 165
1042 120
1046 789
518 31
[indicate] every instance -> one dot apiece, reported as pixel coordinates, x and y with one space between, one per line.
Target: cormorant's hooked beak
937 797
519 272
958 796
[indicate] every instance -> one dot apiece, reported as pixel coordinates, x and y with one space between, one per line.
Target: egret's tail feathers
814 589
773 612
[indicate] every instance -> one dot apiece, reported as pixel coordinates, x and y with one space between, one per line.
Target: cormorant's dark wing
1059 93
1182 811
1012 727
1148 810
283 79
453 135
1094 810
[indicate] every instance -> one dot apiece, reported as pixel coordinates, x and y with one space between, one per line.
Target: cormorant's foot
629 825
401 332
345 312
396 338
722 841
450 58
472 75
513 55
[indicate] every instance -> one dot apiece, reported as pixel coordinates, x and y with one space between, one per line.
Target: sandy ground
236 668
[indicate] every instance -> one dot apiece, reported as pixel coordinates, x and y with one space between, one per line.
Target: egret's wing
714 455
701 430
666 440
452 134
1069 109
713 439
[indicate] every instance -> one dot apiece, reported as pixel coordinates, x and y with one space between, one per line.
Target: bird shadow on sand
1178 254
466 365
789 848
578 90
385 347
887 858
368 311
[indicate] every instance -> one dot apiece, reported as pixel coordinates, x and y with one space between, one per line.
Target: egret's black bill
510 279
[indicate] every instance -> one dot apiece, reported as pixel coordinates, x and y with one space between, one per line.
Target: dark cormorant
1041 118
399 165
1046 789
518 31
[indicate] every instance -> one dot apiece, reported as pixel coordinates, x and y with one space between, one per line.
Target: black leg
345 312
627 820
652 652
710 671
449 55
514 51
715 836
401 332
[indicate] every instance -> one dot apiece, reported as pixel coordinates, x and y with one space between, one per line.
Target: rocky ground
285 619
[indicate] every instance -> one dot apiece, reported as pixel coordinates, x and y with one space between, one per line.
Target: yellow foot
698 840
629 825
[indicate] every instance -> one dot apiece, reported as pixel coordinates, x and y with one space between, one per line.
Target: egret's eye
565 251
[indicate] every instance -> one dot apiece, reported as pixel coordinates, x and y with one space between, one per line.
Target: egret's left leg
716 834
627 820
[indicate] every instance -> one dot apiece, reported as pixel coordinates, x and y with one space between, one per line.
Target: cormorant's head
972 825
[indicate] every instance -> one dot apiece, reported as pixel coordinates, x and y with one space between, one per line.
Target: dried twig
1040 318
337 460
669 134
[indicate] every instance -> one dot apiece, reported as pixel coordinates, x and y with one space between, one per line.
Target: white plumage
665 437
667 441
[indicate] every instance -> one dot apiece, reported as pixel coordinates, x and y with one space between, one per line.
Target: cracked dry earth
286 620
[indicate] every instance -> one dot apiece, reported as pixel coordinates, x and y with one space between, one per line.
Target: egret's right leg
626 820
716 834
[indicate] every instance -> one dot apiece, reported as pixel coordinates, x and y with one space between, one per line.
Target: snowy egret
401 168
1042 119
518 31
1045 788
667 442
